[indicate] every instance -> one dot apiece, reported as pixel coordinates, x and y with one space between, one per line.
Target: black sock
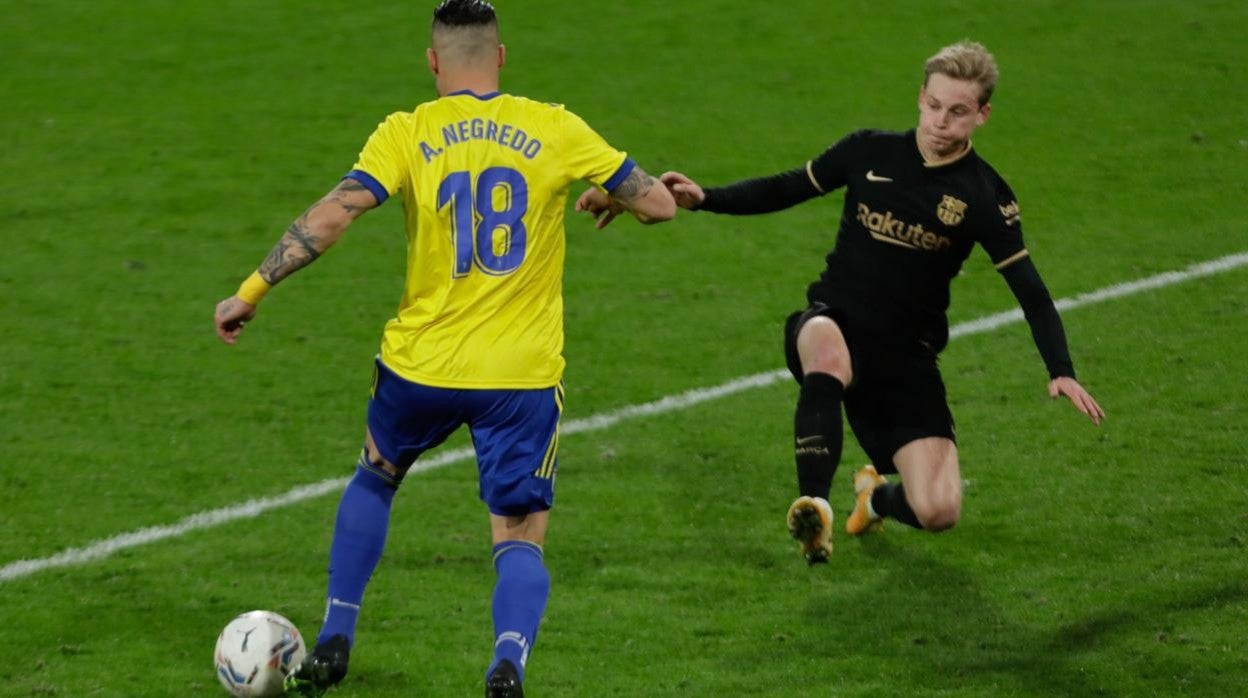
890 501
818 433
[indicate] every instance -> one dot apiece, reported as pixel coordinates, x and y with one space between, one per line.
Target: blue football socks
519 601
359 537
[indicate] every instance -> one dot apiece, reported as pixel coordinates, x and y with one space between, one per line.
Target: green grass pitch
155 150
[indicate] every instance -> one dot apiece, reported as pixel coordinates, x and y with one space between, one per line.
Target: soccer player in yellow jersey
483 179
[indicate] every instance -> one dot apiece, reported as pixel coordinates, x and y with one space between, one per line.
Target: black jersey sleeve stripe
1012 259
810 172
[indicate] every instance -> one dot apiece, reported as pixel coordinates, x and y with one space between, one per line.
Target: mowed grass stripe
672 403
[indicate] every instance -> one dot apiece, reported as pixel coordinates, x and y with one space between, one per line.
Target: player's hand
1064 385
232 313
686 191
598 204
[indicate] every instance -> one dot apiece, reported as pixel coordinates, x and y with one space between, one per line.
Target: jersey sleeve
1000 230
588 156
830 169
382 164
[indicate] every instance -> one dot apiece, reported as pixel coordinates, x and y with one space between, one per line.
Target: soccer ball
254 653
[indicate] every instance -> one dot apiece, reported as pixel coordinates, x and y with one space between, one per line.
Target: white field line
672 403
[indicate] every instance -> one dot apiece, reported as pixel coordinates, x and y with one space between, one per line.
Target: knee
373 455
939 513
371 459
822 349
831 363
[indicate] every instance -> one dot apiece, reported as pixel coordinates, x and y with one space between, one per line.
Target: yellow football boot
810 524
860 519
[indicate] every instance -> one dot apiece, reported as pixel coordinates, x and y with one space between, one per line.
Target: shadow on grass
935 618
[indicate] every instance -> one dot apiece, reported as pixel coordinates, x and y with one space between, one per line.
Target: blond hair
965 60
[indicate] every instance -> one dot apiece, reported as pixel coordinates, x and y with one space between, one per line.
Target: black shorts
897 395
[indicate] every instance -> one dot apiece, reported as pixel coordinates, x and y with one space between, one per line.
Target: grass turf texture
156 153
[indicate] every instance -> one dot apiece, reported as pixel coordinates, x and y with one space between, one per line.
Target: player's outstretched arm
1080 398
637 194
1049 335
688 193
306 239
746 197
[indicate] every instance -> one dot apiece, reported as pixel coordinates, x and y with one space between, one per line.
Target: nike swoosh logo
873 177
808 439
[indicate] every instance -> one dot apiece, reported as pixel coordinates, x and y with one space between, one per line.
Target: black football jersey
905 231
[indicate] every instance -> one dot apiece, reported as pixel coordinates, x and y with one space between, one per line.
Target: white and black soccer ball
254 653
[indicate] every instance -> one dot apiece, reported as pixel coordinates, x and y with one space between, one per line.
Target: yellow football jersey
484 182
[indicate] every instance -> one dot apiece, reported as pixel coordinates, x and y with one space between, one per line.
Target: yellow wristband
253 289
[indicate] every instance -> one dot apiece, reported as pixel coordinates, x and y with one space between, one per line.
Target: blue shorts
514 432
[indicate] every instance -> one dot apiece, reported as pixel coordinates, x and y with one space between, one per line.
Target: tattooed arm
306 239
316 230
639 194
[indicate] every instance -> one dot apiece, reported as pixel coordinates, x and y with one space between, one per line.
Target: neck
934 159
475 82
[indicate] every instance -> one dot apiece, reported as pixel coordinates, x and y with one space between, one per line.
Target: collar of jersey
914 148
483 98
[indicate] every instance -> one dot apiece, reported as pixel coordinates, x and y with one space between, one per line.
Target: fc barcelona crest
951 211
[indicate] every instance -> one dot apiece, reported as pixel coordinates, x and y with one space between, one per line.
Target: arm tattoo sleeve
634 186
296 250
340 194
300 245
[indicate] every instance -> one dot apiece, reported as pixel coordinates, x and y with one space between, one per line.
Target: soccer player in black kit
915 204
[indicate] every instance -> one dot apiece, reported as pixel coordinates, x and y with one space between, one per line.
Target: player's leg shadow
936 618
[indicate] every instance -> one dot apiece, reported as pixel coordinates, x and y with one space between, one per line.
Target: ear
922 94
983 114
502 55
432 57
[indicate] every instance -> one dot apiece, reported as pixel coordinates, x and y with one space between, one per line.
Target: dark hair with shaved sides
466 31
464 13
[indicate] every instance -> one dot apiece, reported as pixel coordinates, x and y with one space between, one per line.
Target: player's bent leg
817 430
519 598
864 518
359 537
933 481
516 436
